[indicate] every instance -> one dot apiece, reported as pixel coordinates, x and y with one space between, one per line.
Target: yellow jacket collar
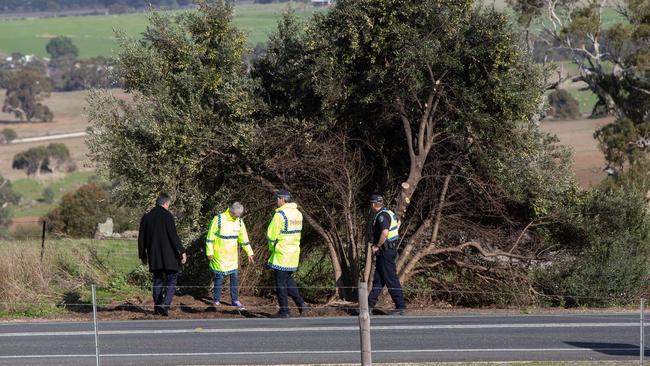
288 205
229 216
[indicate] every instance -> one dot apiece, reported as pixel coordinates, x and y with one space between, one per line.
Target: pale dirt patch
579 135
69 114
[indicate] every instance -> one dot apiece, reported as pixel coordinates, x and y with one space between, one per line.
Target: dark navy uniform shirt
381 223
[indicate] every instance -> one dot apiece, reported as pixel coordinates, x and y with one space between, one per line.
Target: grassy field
31 191
94 35
60 283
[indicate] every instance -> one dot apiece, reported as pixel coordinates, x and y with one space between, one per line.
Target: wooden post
364 325
368 267
43 242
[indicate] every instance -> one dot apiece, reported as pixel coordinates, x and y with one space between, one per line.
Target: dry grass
26 282
23 279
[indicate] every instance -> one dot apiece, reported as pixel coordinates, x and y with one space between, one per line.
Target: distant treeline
56 5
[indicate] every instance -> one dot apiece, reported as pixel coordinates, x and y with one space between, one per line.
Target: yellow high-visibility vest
393 231
283 236
224 235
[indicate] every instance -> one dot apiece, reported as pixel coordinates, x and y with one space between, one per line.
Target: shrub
44 159
48 195
7 135
7 197
610 260
79 212
563 105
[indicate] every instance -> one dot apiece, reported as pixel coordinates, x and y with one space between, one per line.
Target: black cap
376 198
283 193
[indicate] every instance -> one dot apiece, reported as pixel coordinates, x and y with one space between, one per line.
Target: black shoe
163 310
304 309
279 316
398 312
156 310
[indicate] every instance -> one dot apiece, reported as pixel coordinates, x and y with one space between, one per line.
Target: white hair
237 208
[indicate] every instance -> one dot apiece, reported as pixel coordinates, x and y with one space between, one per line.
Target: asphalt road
324 340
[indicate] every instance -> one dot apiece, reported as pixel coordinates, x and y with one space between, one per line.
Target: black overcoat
158 241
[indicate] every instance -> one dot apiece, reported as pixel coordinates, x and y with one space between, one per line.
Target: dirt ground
578 134
188 307
69 115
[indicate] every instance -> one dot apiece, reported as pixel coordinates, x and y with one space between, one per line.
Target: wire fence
98 314
119 294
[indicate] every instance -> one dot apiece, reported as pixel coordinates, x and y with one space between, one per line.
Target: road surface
324 340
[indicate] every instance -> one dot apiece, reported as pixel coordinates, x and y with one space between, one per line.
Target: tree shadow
130 307
190 309
610 349
72 301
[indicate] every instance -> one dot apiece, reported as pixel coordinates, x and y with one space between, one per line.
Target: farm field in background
94 35
60 283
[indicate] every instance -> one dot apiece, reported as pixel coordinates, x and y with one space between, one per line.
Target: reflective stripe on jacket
224 235
283 236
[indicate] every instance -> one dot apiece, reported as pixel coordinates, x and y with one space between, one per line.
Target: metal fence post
95 322
641 334
43 242
364 325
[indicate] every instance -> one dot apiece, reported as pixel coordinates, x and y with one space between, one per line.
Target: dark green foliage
563 105
609 259
192 115
79 213
61 46
325 113
44 159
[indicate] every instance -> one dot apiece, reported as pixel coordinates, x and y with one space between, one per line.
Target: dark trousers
164 286
386 275
286 286
218 282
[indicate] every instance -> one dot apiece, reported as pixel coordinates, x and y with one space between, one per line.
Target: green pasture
94 35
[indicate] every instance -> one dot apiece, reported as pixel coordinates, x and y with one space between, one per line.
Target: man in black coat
159 245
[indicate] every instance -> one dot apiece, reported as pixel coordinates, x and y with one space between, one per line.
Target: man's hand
250 259
210 258
183 258
375 249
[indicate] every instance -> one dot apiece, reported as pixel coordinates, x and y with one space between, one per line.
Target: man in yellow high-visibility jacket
227 232
283 236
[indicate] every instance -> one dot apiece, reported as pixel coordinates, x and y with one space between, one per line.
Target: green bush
44 159
610 259
315 275
8 135
79 212
48 195
7 198
140 277
563 105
